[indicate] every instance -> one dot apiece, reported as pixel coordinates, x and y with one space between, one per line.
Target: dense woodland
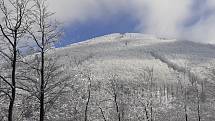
36 85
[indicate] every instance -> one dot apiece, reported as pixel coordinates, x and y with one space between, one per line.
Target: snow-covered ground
128 54
120 62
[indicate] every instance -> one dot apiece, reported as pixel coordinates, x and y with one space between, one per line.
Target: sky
181 19
79 31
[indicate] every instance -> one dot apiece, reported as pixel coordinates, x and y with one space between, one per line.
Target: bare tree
88 97
148 80
12 29
113 90
150 73
55 80
185 104
197 96
44 33
102 112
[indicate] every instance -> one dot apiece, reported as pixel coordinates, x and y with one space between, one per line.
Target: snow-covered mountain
137 76
127 54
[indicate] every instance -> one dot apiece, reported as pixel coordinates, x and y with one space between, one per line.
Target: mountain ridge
132 51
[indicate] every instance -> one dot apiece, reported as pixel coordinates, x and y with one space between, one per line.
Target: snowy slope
128 54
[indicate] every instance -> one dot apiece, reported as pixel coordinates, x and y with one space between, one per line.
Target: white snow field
128 54
116 69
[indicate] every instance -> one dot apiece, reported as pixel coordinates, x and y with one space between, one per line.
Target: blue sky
180 19
80 31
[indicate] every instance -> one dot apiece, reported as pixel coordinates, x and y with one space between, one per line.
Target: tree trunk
199 117
103 115
147 117
185 109
117 107
151 109
13 80
10 111
198 108
88 100
42 112
185 105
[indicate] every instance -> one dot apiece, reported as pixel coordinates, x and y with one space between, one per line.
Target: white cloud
163 17
210 3
202 31
160 17
82 10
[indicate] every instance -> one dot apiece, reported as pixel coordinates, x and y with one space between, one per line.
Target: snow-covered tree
13 26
